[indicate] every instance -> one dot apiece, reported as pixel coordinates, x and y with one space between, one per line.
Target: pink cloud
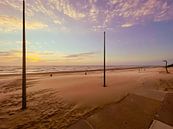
97 13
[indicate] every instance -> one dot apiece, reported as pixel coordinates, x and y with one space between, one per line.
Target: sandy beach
65 98
86 64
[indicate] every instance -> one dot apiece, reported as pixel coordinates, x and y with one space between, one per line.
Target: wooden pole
104 59
24 63
166 65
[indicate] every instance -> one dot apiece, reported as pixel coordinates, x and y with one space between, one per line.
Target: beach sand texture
63 99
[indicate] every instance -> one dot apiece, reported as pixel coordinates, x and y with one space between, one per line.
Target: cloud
34 25
113 1
41 7
63 6
55 11
80 55
8 24
33 8
115 13
48 58
16 55
95 13
9 56
127 25
4 54
140 12
16 5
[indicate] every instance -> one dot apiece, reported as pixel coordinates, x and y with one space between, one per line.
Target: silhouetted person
85 73
51 75
166 65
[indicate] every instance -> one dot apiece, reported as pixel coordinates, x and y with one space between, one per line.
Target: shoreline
80 71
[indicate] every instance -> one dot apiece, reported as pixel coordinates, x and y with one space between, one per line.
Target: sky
70 32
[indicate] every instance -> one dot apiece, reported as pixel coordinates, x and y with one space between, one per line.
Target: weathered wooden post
166 65
24 63
104 60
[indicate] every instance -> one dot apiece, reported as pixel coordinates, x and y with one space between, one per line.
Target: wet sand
64 98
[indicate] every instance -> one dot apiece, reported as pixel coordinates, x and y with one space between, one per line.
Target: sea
48 69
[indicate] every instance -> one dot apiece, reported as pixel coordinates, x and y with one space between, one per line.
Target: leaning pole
166 65
104 81
24 63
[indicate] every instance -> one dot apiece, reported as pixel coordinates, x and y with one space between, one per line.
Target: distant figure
51 75
166 89
85 73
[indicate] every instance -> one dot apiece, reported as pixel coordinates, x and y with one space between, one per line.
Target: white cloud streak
98 15
10 24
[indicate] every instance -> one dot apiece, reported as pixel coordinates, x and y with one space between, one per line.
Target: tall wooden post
104 60
24 63
166 65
